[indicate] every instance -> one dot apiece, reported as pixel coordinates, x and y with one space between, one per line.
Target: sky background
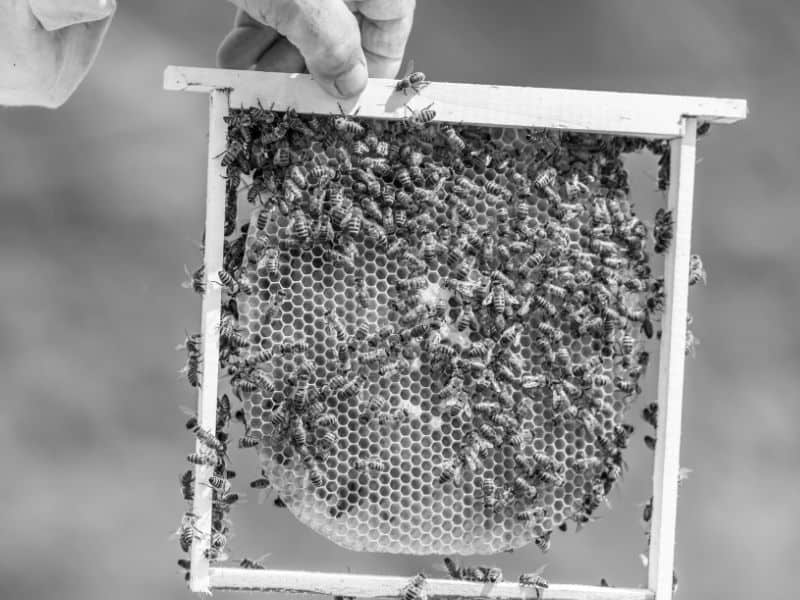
101 205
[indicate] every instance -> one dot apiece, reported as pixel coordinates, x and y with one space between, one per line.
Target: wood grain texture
373 586
671 365
649 115
211 309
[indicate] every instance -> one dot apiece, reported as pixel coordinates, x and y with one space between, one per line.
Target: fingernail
352 82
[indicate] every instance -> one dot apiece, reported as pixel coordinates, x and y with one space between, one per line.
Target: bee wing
541 569
188 411
189 279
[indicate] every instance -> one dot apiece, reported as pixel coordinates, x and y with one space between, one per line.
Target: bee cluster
435 330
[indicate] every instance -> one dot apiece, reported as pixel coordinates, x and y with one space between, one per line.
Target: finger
327 35
384 43
384 10
282 57
245 43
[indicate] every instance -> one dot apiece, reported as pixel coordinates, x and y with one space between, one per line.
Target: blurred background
101 205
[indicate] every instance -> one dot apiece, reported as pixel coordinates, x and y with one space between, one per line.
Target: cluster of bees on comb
502 276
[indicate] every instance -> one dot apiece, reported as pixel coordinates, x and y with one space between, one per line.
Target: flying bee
697 272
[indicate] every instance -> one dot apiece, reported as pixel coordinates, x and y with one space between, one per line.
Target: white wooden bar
211 309
648 115
671 365
373 586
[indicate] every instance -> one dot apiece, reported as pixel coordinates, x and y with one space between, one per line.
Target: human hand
339 42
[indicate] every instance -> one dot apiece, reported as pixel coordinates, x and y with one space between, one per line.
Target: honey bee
550 332
316 477
260 484
650 414
697 272
203 459
394 418
543 541
187 532
531 515
345 125
412 81
196 280
228 281
412 284
650 442
370 465
662 230
263 381
415 590
209 439
376 233
249 440
523 489
625 386
186 481
232 153
420 118
450 471
534 580
247 563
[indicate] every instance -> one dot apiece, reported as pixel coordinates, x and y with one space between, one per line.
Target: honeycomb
435 330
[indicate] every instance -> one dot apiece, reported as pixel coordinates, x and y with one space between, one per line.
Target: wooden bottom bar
374 586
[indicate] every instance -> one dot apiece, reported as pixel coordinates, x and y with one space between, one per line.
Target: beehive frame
644 115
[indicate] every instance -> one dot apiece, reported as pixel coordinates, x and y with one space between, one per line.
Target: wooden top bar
649 115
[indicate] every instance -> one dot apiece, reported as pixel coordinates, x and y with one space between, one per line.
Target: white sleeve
47 47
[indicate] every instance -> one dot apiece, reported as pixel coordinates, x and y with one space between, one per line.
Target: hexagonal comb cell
441 325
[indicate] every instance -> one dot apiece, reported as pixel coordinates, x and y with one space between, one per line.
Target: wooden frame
645 115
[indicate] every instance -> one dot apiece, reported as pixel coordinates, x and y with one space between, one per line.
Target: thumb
327 35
